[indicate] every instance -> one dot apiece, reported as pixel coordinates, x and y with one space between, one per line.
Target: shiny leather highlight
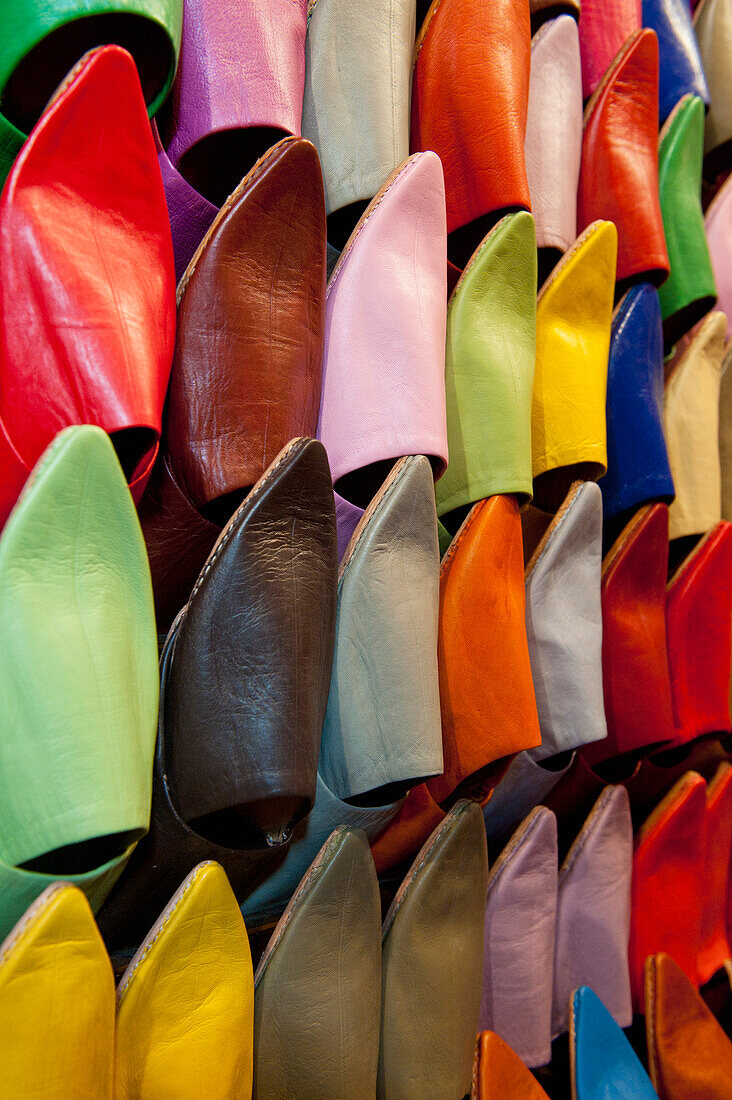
317 987
604 1064
382 722
604 27
634 657
231 779
619 173
84 236
384 360
57 1002
238 88
691 426
698 616
680 64
519 940
357 120
76 751
470 89
564 633
690 291
688 1052
501 1073
669 872
486 691
489 368
432 943
554 132
573 318
638 469
185 1004
246 376
593 912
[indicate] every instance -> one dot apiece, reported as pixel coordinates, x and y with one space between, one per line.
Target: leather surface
689 1055
501 1073
593 912
680 69
691 426
518 961
688 1052
638 468
185 1004
317 987
470 89
29 26
713 31
573 317
247 368
57 1001
605 26
239 68
718 226
564 633
714 949
308 837
489 369
259 625
725 436
85 237
357 120
432 943
488 713
690 291
384 361
231 776
382 722
669 873
634 657
604 1064
698 615
619 174
189 213
554 132
77 749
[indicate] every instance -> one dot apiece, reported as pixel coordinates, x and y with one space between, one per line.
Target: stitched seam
508 853
424 30
650 1017
313 872
369 213
552 533
481 247
594 100
252 177
416 868
584 236
228 535
468 522
28 923
585 833
148 947
369 517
